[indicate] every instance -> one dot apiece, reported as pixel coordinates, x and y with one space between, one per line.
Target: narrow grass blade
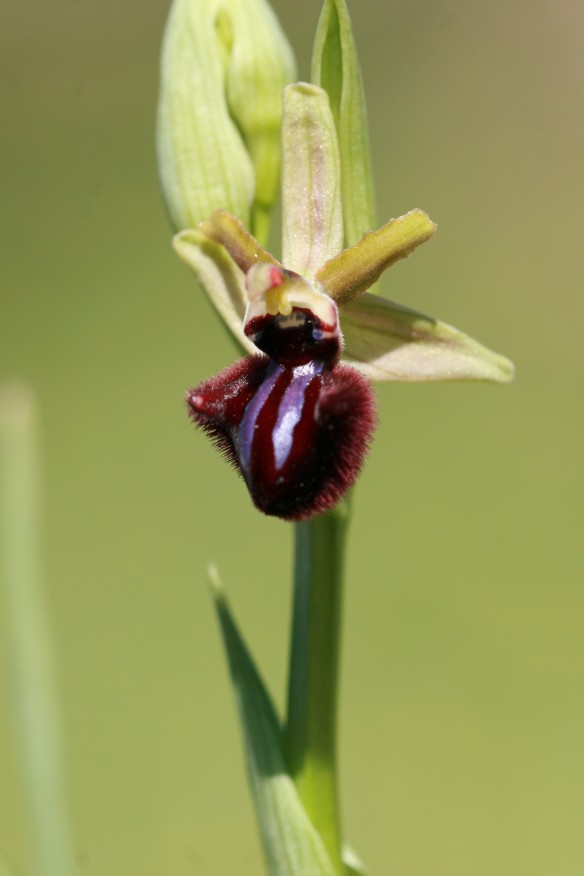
291 844
30 648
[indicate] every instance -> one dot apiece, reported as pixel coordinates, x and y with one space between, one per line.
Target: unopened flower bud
224 65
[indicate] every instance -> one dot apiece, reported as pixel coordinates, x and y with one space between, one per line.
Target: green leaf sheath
292 845
335 67
311 732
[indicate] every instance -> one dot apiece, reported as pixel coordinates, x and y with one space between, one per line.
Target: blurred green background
463 687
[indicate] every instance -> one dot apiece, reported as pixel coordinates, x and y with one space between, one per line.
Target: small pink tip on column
276 277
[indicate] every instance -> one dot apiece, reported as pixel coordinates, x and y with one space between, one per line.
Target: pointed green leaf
335 67
353 271
220 277
291 844
312 219
390 342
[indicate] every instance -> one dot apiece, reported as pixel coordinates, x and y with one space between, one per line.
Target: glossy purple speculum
293 421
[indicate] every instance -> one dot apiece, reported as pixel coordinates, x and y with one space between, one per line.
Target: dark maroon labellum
295 339
296 425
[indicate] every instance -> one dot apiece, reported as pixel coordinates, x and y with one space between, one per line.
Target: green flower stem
311 732
30 655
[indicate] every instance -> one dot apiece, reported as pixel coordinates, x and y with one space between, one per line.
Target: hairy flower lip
298 436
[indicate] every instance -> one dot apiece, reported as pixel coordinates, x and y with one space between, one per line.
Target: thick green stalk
311 732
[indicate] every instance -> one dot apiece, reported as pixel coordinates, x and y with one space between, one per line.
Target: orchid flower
296 414
294 419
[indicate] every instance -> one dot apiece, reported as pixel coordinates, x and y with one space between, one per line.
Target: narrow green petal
390 342
220 278
356 269
335 67
312 219
291 844
243 248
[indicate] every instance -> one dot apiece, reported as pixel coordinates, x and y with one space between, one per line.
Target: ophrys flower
293 421
296 421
